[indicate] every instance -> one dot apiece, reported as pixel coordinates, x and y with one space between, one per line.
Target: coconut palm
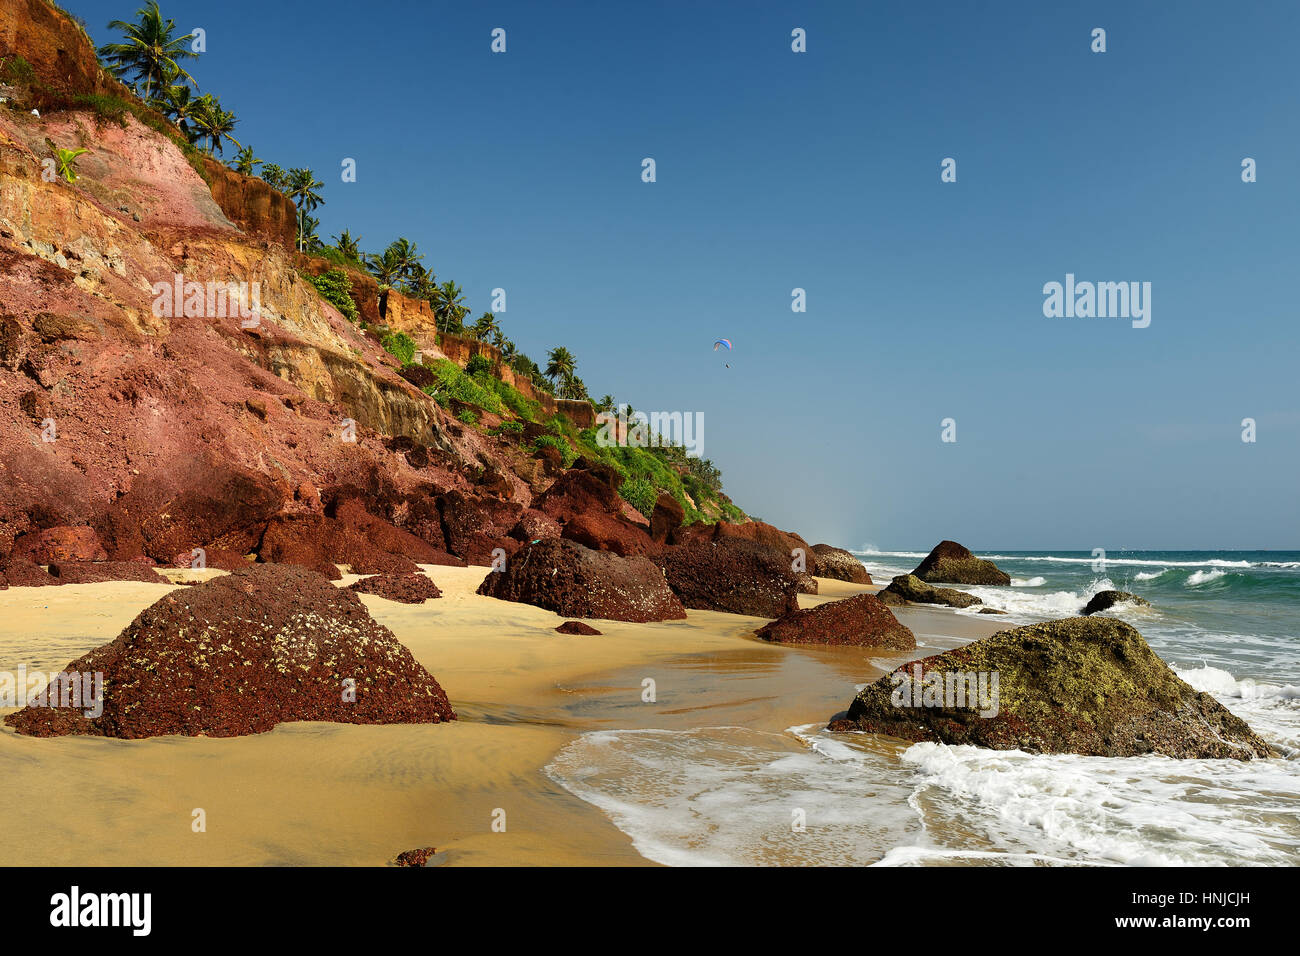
606 403
420 283
449 305
405 250
348 247
560 364
485 326
302 189
307 236
179 105
275 177
572 387
246 162
508 348
212 122
151 52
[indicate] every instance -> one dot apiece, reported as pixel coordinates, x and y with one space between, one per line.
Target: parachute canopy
726 342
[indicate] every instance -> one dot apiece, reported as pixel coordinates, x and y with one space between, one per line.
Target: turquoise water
1228 622
1236 611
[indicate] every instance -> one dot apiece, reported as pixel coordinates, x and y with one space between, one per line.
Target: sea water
1227 622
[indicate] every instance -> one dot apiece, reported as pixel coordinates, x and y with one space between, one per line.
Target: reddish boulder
861 621
666 517
581 491
403 588
577 627
193 505
732 575
534 525
59 544
575 581
241 653
476 526
757 531
314 541
603 532
419 857
87 572
21 573
839 564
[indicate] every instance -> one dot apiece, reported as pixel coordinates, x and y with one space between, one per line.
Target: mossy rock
951 563
1088 686
908 587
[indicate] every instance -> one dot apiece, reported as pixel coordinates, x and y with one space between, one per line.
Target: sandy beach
332 794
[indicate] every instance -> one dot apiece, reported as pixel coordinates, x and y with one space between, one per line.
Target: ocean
1228 622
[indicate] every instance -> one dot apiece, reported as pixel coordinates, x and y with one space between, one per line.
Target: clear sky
821 170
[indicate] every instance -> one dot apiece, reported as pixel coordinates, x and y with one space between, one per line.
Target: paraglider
726 342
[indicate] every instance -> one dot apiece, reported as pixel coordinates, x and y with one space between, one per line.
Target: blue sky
821 171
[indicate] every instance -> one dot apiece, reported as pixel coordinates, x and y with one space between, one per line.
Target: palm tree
211 121
307 236
420 283
150 52
275 177
178 104
406 253
246 162
572 387
349 248
484 328
303 186
508 349
387 270
561 364
448 305
606 404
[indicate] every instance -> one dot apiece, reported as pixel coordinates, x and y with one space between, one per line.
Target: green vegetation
468 416
16 68
567 453
477 364
335 287
640 494
401 346
149 52
456 384
67 160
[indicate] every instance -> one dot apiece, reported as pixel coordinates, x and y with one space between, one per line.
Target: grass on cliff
335 287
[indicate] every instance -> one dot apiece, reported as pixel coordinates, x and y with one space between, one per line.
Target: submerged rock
839 564
403 588
908 587
241 653
734 575
1103 600
951 563
575 581
861 620
1088 686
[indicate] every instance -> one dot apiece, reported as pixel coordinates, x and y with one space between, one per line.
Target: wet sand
334 794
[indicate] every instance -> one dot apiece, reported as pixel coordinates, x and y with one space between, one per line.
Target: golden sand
336 794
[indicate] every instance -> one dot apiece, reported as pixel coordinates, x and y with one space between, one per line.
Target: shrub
567 454
509 428
477 364
640 494
456 384
335 287
468 416
401 346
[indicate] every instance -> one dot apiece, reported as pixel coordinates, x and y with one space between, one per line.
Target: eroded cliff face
109 380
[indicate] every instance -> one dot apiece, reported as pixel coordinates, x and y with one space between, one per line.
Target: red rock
603 532
733 575
535 525
761 532
60 544
403 588
241 653
87 572
579 491
577 627
476 526
574 581
839 564
862 621
21 573
666 517
418 857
